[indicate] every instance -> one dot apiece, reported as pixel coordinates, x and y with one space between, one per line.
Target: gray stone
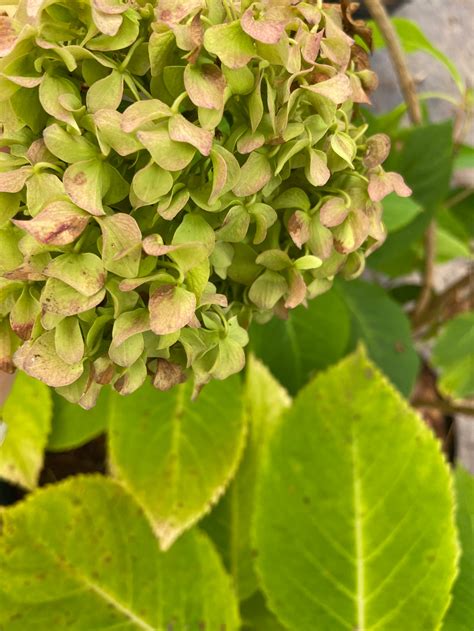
450 27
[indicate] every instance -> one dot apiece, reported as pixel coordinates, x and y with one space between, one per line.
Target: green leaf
256 616
25 421
105 93
121 247
379 322
354 523
229 42
414 40
68 147
168 154
178 455
461 611
311 339
73 426
229 524
74 553
453 356
398 212
449 246
464 157
425 161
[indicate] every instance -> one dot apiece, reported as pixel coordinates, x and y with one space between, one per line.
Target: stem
424 298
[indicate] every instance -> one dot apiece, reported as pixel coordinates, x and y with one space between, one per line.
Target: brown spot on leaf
80 178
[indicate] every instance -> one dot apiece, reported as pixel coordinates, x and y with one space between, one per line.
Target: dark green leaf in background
380 323
424 157
453 356
73 426
311 339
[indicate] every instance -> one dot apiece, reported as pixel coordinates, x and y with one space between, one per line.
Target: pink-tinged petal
398 184
59 223
299 228
14 181
337 89
268 29
205 85
333 212
171 309
7 35
296 291
181 130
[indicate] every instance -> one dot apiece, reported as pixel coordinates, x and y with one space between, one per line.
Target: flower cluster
171 170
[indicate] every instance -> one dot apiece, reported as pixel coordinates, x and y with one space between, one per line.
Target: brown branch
442 302
446 407
389 34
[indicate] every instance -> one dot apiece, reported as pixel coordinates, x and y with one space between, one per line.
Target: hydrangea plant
171 170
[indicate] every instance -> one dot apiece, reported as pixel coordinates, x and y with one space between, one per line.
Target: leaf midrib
92 586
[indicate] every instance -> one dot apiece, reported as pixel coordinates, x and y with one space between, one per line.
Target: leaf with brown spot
40 360
61 299
205 85
24 314
171 309
84 272
86 184
59 223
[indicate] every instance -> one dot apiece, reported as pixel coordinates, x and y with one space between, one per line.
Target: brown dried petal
168 375
299 227
378 148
